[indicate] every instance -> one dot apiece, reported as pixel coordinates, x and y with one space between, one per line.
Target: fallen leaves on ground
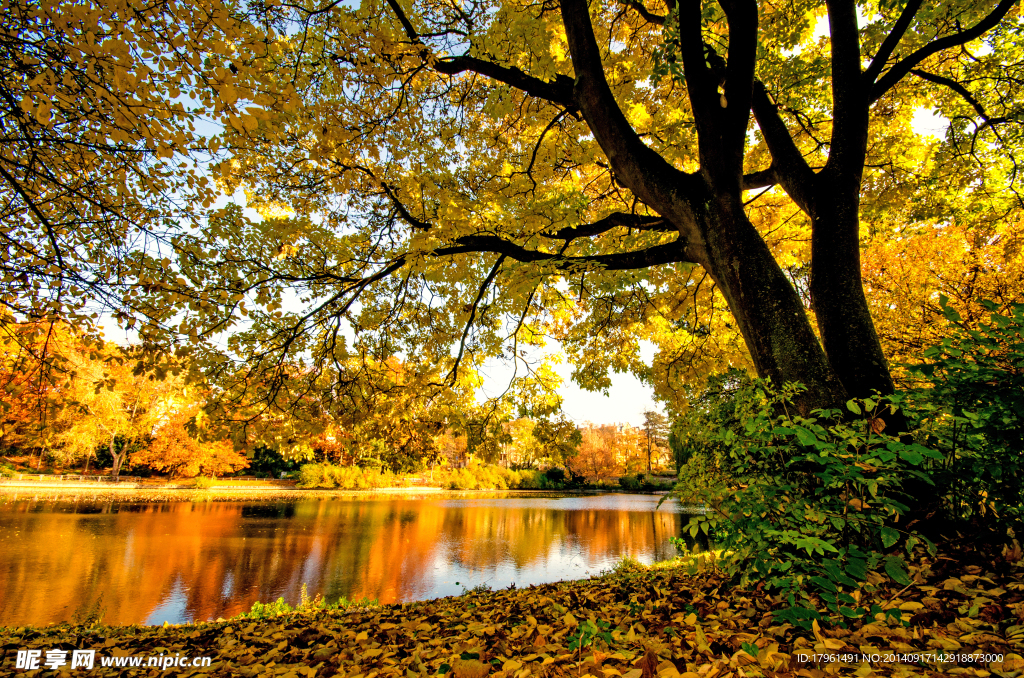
660 623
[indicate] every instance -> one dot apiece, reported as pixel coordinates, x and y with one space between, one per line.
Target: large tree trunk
767 309
837 296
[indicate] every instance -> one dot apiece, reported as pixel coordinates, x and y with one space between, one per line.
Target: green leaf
897 570
805 437
853 406
911 456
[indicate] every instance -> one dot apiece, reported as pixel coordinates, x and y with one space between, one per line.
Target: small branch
472 315
964 93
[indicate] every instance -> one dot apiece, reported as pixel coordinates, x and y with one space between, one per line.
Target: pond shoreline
111 492
673 622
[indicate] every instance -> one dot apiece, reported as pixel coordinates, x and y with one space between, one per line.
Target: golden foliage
661 622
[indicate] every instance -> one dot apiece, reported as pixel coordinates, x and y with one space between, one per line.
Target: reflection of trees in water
133 555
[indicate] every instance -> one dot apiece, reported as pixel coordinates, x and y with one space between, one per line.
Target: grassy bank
641 623
158 494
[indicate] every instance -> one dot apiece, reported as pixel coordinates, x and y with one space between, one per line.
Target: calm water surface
185 561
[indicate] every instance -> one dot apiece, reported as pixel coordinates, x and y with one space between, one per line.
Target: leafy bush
477 476
306 604
329 476
809 503
6 471
203 483
627 564
971 408
639 481
532 479
630 483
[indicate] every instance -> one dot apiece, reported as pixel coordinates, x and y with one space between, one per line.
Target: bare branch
472 315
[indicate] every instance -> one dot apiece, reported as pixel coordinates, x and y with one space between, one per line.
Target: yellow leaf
43 114
569 620
702 640
470 668
667 669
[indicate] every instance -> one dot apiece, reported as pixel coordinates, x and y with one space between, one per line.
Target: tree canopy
448 181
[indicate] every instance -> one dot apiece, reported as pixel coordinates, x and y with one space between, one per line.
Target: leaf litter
655 623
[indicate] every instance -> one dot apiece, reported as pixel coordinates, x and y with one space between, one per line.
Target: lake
189 561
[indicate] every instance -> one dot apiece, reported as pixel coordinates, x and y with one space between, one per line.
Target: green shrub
971 408
306 604
531 479
628 564
630 483
347 477
203 483
490 477
810 503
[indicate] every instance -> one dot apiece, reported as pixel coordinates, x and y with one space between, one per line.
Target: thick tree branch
904 66
885 50
559 91
790 168
760 179
667 253
642 10
611 221
850 115
655 181
701 82
739 75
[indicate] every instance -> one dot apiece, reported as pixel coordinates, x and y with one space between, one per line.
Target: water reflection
147 563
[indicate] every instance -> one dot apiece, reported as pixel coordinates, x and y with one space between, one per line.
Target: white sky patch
626 401
929 123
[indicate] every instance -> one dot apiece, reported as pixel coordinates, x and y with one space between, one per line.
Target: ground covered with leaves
961 616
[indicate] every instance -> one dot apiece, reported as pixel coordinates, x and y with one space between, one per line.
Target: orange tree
177 448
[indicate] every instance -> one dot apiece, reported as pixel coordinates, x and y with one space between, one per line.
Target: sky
625 403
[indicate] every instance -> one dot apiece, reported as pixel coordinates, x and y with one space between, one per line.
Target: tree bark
116 457
767 309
